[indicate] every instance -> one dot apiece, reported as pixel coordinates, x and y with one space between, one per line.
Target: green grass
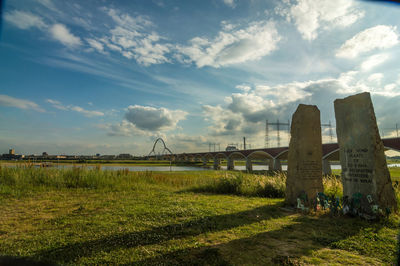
80 216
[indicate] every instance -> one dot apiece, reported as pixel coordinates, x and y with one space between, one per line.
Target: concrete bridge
330 152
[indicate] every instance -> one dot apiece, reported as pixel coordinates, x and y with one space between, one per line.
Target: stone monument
365 175
304 178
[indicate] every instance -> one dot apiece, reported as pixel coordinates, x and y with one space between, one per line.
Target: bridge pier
249 165
217 164
326 167
230 164
205 161
277 165
270 164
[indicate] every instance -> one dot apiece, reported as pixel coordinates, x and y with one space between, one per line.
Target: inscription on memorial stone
357 167
310 169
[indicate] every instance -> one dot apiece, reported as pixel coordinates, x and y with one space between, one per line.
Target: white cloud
374 61
96 45
57 104
125 129
49 4
378 37
134 38
62 34
154 119
376 78
230 3
9 101
309 15
243 87
244 113
87 113
232 46
24 20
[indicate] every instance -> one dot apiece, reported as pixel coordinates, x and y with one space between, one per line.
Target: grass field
79 216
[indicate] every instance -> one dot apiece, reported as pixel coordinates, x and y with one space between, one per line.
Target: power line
278 129
329 125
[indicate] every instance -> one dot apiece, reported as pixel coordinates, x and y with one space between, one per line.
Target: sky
110 77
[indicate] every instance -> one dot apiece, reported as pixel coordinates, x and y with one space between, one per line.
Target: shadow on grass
286 245
70 252
16 261
283 246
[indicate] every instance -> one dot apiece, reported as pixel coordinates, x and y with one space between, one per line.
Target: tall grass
271 186
247 184
333 186
23 179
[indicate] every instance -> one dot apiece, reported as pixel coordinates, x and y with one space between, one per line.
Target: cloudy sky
109 77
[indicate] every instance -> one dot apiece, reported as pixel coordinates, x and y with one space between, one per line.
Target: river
171 168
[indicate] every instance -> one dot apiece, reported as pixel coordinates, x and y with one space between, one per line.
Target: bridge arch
236 155
260 154
282 155
221 155
332 156
154 146
208 156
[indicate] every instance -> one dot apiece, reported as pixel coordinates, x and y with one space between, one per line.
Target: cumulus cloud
122 129
24 20
244 113
154 119
232 46
62 34
88 113
378 37
309 16
9 101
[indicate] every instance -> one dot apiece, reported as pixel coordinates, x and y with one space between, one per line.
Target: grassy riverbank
80 216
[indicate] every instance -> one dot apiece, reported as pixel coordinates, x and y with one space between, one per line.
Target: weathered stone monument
304 178
365 175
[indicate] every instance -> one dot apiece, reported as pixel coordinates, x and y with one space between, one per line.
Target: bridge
330 152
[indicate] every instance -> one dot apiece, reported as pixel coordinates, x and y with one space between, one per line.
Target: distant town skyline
109 77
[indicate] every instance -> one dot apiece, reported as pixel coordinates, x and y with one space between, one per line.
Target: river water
166 168
171 168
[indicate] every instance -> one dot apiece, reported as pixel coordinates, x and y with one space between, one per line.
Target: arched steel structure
165 147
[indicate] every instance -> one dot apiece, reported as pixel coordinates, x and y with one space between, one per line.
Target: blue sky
109 77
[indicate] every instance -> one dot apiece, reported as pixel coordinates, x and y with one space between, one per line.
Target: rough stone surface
305 155
364 168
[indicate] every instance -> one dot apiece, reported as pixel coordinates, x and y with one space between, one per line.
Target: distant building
107 157
45 154
11 155
124 156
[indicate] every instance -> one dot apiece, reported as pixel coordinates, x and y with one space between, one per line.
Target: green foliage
79 216
333 186
239 183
